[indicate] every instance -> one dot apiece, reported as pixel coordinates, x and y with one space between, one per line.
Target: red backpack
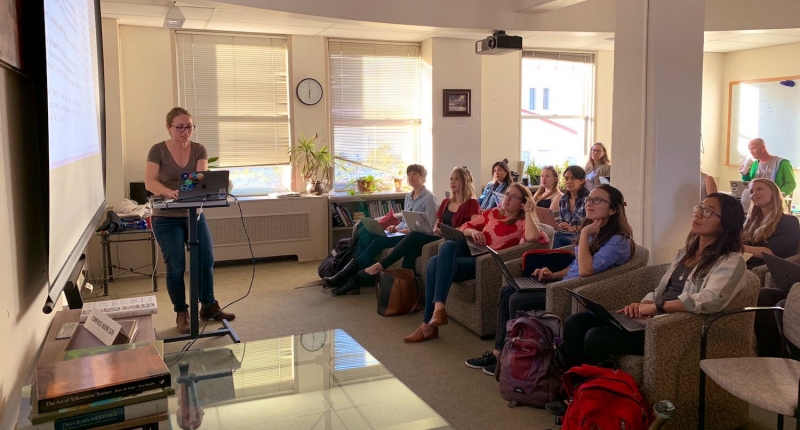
601 398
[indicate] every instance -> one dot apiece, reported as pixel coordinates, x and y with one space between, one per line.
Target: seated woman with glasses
767 229
606 240
369 245
512 223
598 166
454 211
501 180
571 207
548 196
702 279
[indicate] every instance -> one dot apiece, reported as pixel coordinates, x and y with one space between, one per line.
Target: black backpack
341 254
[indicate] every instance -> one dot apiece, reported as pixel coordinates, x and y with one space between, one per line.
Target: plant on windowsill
534 172
315 165
364 185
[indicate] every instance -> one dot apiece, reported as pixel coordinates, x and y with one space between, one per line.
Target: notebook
521 283
620 321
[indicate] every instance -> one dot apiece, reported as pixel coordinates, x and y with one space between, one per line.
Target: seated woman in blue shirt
571 206
501 179
605 241
369 245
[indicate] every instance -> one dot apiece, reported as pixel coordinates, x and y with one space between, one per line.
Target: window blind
575 57
236 88
267 367
375 99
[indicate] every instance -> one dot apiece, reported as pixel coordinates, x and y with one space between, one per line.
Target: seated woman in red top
512 223
454 212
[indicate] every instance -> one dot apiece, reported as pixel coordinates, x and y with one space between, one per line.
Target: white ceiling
208 15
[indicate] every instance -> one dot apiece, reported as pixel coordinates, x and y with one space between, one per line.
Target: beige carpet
435 370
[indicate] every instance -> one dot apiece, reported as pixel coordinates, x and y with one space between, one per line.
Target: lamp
175 18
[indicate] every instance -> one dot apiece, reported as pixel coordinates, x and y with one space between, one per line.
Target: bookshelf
372 205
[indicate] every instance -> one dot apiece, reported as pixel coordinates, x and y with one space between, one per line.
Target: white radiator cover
276 227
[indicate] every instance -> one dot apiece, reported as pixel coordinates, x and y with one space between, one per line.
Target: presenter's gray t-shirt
169 172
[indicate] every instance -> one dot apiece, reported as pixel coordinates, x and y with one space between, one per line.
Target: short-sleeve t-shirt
169 172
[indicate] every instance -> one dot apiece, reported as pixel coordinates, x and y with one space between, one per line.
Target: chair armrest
622 290
714 318
515 267
431 250
671 349
762 272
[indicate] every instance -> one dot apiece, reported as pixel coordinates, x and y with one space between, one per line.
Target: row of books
108 387
342 217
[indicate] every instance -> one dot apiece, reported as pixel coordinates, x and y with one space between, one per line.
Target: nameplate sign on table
102 326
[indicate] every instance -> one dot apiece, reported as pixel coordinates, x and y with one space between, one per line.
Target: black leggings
409 249
512 301
766 324
590 340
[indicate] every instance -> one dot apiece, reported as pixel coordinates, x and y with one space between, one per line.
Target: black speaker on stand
138 193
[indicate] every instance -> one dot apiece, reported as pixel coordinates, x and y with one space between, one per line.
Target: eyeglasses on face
596 200
597 150
510 197
182 128
704 211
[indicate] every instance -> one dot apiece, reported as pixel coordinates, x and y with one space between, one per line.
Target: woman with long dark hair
572 208
501 180
606 240
703 278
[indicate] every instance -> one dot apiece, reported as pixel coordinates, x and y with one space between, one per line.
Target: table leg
104 270
194 273
154 260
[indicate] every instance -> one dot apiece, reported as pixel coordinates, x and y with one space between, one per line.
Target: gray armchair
670 366
559 301
473 303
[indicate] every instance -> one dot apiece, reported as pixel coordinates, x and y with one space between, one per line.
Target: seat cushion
769 383
464 291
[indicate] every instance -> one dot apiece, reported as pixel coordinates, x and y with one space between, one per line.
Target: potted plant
314 164
534 172
366 184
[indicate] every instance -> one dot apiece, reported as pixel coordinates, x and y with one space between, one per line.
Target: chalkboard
767 109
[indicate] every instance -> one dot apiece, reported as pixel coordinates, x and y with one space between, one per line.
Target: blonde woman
454 211
548 195
767 229
598 165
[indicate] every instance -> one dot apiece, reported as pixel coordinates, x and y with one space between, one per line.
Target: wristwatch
660 305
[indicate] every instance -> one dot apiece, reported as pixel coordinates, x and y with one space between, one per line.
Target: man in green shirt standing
768 166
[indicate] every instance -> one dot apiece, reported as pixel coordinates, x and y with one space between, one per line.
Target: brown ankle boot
212 311
182 322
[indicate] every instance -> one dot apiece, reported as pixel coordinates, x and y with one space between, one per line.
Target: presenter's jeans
172 235
369 246
451 265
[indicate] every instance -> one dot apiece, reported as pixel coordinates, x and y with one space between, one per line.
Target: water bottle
663 410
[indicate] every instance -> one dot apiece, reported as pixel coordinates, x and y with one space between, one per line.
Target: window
376 99
562 130
266 369
236 88
532 99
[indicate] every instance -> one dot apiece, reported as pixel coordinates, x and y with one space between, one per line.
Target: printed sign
102 326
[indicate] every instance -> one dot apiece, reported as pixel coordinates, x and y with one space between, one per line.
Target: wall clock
309 91
313 341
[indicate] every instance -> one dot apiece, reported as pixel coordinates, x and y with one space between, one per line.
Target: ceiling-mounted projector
498 43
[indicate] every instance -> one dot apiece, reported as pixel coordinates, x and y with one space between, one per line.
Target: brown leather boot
182 322
212 311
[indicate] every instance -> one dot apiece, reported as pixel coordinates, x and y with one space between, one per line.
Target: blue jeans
564 239
451 265
369 246
171 235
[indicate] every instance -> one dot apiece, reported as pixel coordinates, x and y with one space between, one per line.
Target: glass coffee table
322 380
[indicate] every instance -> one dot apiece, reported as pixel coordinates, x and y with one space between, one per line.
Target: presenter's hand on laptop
639 310
171 194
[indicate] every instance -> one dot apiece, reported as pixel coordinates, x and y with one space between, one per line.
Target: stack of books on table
107 387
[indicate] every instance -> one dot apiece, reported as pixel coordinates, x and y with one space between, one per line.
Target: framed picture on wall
457 102
9 33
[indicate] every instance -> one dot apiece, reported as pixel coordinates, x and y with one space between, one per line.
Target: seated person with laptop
370 245
767 229
510 224
606 240
453 212
703 279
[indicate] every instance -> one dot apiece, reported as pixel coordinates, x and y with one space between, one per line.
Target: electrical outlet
89 287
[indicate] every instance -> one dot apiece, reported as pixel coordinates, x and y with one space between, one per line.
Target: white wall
604 98
116 187
711 114
456 140
500 125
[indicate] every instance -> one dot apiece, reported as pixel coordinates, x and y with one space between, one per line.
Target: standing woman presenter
165 162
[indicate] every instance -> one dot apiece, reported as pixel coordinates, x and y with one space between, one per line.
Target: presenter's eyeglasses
182 128
704 211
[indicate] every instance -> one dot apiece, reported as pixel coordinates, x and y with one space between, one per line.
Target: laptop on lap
467 246
418 221
784 273
374 227
546 217
620 321
521 283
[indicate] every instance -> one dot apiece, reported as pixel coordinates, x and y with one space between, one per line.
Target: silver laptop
521 283
467 246
620 321
739 187
546 217
418 221
209 185
374 227
784 273
605 180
